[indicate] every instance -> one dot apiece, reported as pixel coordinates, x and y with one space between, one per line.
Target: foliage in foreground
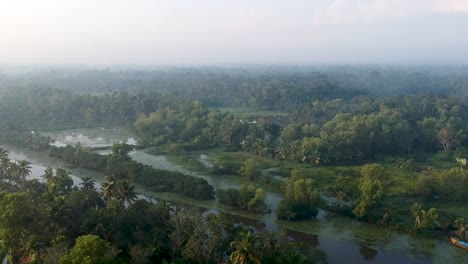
56 222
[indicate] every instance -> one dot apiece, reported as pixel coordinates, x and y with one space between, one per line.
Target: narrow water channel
343 239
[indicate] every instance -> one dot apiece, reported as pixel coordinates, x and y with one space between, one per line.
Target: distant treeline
272 88
326 120
323 131
373 78
326 132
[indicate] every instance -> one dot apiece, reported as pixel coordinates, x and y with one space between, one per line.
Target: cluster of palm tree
461 226
423 219
111 189
251 248
20 169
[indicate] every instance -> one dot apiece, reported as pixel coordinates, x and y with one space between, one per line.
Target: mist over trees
378 141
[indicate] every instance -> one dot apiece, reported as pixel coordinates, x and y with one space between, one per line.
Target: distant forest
252 86
302 114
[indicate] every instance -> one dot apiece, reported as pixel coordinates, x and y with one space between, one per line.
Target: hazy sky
233 31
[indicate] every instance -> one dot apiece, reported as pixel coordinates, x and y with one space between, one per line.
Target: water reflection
368 253
310 239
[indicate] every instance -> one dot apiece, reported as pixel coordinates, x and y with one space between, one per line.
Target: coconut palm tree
5 165
23 169
114 207
416 213
429 218
48 175
126 193
109 189
88 184
244 250
13 170
423 218
461 225
3 153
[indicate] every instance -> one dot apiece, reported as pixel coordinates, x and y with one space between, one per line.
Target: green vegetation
89 249
120 166
56 222
300 198
371 144
247 197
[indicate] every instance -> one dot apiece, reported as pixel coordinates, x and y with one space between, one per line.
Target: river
344 240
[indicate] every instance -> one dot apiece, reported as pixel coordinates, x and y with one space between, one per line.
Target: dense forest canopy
379 140
340 114
218 84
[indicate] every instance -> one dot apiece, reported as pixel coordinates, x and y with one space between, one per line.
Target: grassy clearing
399 182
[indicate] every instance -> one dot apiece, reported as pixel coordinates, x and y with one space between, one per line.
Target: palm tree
48 175
13 169
416 211
341 197
23 169
114 207
429 218
109 189
3 153
88 184
461 225
5 165
126 193
244 250
423 218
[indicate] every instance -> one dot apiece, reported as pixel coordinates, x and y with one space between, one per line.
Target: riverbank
393 245
321 227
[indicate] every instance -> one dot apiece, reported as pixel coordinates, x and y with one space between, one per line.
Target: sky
210 32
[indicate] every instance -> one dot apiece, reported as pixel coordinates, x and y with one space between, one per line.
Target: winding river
343 239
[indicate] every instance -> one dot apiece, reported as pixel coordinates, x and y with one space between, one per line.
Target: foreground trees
89 249
244 250
55 222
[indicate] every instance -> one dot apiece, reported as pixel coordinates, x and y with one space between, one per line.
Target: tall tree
89 249
5 165
461 227
416 213
109 189
244 250
125 192
24 169
88 184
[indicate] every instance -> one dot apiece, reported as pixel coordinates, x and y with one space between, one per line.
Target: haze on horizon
222 32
